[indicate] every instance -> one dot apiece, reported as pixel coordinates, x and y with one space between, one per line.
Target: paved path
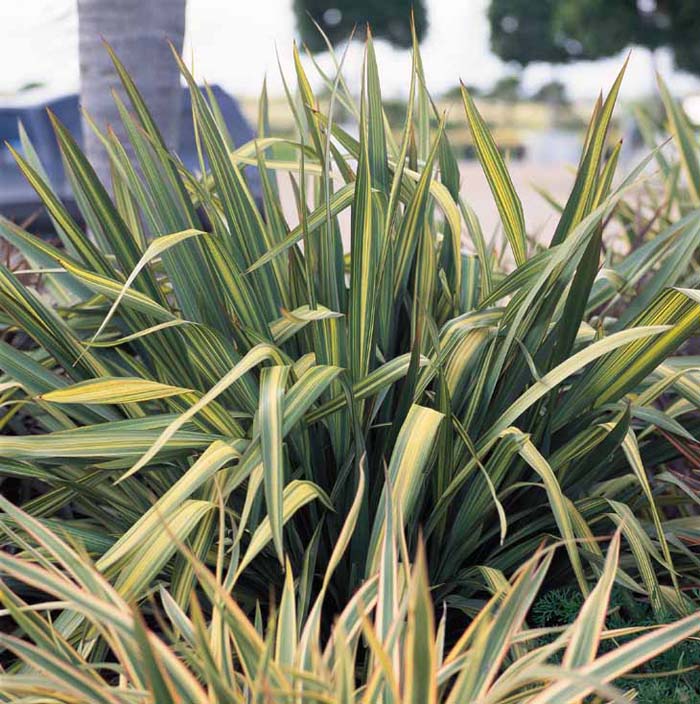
540 218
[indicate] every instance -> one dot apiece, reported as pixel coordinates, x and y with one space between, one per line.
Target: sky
234 43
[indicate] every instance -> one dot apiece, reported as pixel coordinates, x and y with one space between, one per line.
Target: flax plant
220 406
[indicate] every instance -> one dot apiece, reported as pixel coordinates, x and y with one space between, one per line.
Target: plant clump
254 466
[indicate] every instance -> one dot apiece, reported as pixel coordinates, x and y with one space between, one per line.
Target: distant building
18 200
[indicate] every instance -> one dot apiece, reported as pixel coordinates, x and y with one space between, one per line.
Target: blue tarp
17 198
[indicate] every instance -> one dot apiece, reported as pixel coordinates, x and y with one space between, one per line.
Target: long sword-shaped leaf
113 390
686 140
77 683
296 494
408 464
421 658
156 248
589 624
582 198
272 383
252 359
507 200
621 660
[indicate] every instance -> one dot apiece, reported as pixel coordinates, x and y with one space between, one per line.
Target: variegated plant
208 384
213 652
659 220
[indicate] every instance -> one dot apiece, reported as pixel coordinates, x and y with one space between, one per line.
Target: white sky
233 44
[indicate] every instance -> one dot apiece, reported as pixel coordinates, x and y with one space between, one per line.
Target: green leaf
113 390
272 384
685 139
507 200
420 657
296 494
409 462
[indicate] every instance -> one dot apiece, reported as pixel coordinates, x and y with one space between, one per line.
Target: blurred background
536 69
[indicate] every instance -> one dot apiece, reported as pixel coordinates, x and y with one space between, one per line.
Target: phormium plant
224 406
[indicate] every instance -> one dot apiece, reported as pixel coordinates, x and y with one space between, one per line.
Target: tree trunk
138 31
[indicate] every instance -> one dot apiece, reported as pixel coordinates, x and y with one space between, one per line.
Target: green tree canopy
558 31
506 88
389 19
552 92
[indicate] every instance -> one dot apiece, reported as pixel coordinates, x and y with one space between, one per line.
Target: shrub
672 676
219 388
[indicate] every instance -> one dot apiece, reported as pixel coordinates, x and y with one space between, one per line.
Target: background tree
522 31
552 92
137 30
506 88
389 19
558 31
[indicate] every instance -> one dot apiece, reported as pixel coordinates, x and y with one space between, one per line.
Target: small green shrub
671 676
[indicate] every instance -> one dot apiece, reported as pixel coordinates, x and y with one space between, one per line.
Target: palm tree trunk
137 30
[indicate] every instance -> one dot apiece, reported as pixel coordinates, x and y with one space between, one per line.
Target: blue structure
18 201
